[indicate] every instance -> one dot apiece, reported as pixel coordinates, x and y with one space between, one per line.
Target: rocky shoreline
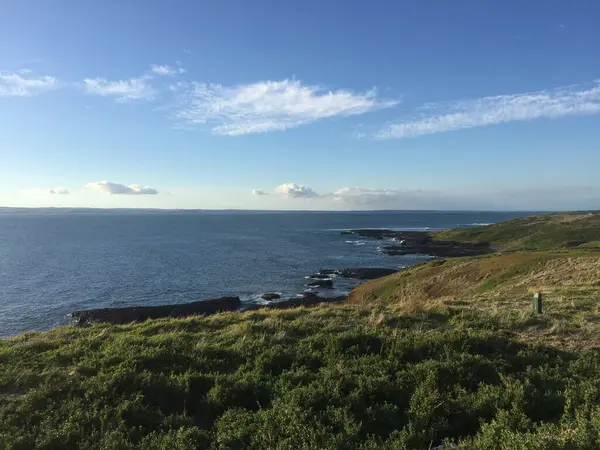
121 316
400 243
422 243
322 279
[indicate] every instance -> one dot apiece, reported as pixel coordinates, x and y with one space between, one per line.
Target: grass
542 232
332 377
509 274
444 352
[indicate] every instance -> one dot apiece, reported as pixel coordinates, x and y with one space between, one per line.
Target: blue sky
300 105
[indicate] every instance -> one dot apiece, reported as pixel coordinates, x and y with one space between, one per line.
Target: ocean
52 263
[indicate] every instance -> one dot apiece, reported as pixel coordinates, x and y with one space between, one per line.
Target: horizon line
5 209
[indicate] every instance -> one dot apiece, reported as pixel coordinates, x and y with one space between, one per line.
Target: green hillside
542 232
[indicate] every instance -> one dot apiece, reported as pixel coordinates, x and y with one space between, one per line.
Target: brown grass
501 287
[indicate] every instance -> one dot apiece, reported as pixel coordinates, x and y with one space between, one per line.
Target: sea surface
52 263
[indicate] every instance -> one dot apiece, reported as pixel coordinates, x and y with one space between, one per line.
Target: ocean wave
356 242
478 224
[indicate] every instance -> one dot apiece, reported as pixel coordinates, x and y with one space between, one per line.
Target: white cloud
125 90
59 191
166 70
108 187
259 192
24 85
294 190
552 103
270 105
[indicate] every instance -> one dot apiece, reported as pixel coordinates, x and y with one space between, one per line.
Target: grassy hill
556 254
542 232
444 352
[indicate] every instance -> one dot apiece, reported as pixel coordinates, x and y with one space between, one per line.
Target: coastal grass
502 287
344 376
540 232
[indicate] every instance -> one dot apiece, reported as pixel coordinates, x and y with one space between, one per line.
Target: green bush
327 378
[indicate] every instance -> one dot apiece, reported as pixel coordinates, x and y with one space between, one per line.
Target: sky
323 105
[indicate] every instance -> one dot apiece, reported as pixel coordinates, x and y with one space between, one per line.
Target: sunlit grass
341 376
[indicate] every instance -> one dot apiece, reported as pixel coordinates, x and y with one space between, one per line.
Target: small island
447 353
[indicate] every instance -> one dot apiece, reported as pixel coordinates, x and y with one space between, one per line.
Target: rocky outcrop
270 296
320 276
411 237
307 299
359 273
442 249
366 273
328 272
141 313
424 243
321 283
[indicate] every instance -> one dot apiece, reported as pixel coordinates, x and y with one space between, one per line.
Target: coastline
396 243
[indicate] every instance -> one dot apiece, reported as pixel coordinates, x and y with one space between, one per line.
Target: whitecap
356 242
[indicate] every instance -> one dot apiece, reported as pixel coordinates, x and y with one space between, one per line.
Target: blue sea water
52 263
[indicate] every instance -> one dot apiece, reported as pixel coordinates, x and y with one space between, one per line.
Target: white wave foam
356 242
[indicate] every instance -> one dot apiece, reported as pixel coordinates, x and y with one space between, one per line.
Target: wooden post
537 303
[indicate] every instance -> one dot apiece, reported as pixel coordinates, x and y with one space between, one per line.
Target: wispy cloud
553 103
59 191
166 70
294 190
270 105
124 90
23 84
259 192
108 187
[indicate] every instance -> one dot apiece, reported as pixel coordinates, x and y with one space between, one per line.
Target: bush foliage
334 377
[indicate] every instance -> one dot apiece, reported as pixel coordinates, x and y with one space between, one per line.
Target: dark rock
329 272
306 299
141 313
442 249
366 273
320 276
423 242
270 296
410 237
321 283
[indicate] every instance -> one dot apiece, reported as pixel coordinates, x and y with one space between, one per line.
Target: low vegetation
446 352
542 232
330 377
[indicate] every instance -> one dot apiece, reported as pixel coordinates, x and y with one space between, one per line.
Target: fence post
537 303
